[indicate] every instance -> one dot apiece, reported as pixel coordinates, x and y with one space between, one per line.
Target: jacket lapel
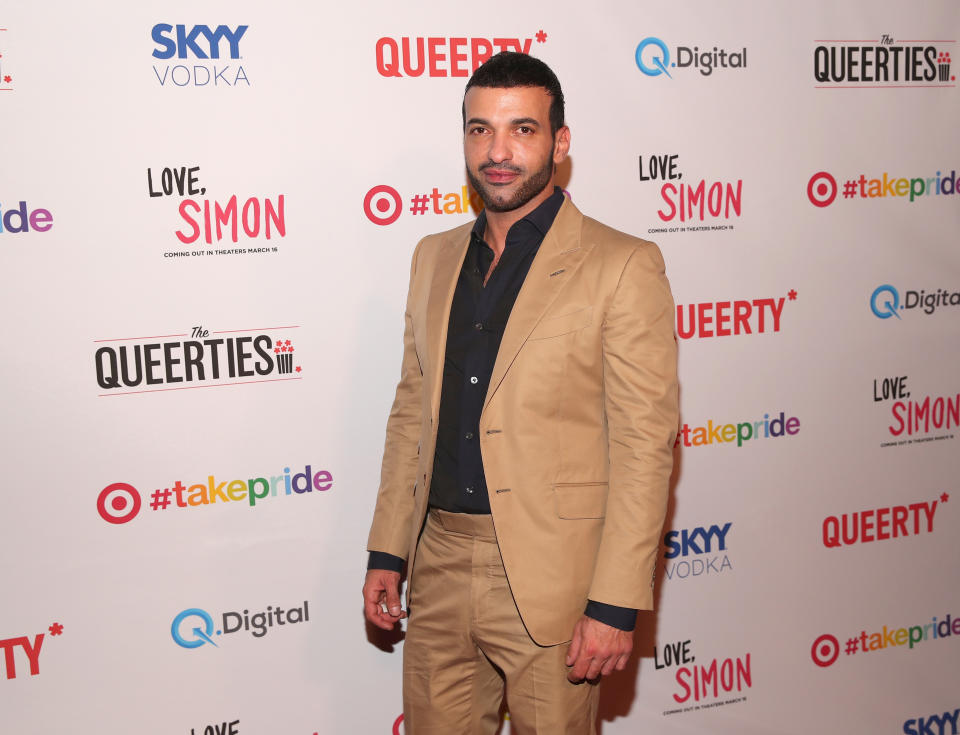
446 272
559 255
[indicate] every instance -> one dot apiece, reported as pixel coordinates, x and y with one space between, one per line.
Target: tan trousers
465 641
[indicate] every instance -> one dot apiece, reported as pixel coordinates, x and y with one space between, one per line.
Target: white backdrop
117 618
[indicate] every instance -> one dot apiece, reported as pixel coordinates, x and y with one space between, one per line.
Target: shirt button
473 379
478 325
468 435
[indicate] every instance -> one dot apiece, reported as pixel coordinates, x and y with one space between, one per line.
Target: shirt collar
541 218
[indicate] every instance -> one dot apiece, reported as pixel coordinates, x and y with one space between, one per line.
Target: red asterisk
290 349
276 350
945 497
541 36
287 343
55 629
8 79
298 368
792 294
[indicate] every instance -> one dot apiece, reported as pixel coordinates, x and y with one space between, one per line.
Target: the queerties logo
198 55
885 301
701 685
826 648
442 56
208 225
194 627
120 502
654 58
731 318
200 358
696 552
882 524
945 723
25 649
883 63
739 433
707 205
23 218
913 419
383 205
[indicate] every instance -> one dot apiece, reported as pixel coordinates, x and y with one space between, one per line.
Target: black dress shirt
478 317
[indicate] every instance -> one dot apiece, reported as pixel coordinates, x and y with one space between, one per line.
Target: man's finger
393 600
574 651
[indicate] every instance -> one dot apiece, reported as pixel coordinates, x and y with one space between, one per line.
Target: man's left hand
597 649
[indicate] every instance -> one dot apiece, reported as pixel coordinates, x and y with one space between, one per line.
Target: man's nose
499 148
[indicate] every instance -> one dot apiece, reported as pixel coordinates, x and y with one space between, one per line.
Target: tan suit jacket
577 428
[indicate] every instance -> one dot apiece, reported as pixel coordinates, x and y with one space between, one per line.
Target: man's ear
561 144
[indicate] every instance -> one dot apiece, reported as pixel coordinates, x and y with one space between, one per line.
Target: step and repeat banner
207 213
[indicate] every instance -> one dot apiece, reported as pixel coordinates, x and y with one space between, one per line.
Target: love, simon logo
886 301
198 55
654 58
195 627
698 681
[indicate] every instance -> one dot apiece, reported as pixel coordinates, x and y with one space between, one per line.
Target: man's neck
499 223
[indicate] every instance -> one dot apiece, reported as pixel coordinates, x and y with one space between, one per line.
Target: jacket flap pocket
556 325
581 500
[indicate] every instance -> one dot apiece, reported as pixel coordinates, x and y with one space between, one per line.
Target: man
529 447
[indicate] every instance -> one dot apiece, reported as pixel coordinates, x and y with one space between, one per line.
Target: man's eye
477 131
524 130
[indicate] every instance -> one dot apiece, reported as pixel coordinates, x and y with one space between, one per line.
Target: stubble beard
528 189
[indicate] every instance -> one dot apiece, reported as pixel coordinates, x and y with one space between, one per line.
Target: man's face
509 151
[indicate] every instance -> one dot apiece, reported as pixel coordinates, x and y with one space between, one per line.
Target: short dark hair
513 69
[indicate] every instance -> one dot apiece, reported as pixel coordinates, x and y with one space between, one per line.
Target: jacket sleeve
391 527
641 406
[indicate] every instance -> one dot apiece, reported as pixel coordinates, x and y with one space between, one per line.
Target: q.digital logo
885 301
201 635
655 63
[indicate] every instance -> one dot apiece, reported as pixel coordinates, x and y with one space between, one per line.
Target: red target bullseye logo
822 189
396 726
118 503
382 205
825 650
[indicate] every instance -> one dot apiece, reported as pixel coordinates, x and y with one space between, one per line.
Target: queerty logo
882 63
885 301
701 201
439 56
200 43
826 648
702 681
822 187
194 627
702 543
31 650
881 524
653 58
924 725
23 219
732 317
741 432
120 502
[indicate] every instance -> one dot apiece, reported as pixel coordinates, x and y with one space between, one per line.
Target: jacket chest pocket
564 324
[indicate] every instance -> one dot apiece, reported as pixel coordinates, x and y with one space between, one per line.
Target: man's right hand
382 588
